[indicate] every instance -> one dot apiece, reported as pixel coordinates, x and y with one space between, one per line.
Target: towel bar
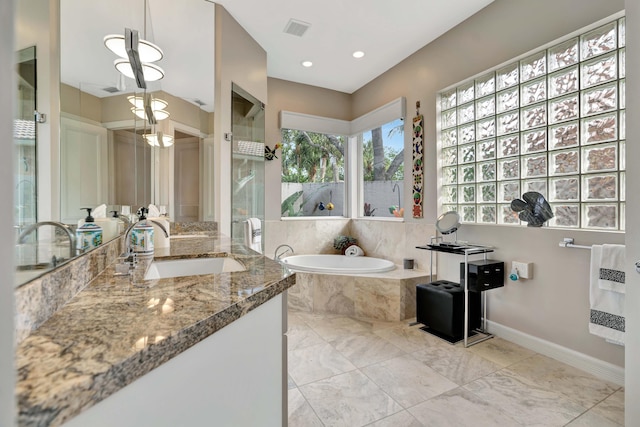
567 242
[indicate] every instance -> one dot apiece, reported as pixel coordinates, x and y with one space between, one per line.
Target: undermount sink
192 267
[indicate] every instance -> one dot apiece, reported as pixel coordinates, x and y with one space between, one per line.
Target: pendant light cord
144 23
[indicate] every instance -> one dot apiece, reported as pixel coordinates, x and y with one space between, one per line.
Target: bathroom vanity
188 350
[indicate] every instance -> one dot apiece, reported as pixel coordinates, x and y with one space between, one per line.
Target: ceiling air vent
111 89
296 28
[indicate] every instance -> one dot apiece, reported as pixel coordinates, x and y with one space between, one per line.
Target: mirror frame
448 222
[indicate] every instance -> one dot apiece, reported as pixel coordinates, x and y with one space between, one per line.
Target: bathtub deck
389 296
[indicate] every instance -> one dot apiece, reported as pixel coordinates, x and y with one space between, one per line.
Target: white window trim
353 150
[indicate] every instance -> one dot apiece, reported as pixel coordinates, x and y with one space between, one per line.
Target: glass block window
551 122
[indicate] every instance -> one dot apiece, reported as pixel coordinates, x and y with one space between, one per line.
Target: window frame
444 130
352 132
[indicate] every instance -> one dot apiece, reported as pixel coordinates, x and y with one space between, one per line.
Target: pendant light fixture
148 51
136 55
151 72
159 139
156 105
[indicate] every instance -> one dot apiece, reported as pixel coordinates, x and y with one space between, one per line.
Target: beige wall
117 108
554 305
79 103
299 98
240 60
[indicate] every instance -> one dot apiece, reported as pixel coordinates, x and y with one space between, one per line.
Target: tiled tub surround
385 296
391 240
389 296
114 331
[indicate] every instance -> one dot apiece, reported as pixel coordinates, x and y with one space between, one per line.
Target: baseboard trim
599 368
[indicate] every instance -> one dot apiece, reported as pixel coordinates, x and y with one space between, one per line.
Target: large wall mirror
106 153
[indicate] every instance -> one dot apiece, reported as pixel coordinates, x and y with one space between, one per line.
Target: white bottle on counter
89 234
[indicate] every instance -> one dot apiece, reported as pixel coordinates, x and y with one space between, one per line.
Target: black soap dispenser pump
89 234
119 223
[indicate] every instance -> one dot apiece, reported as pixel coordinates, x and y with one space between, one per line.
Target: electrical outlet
525 269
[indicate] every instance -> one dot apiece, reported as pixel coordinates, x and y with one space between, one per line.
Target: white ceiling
387 31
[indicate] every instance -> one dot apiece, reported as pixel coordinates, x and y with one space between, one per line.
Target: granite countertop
119 328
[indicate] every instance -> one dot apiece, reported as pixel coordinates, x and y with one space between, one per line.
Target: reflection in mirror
448 222
104 156
177 108
29 260
25 139
247 195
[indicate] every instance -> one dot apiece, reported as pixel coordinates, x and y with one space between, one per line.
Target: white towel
606 307
253 234
354 250
611 274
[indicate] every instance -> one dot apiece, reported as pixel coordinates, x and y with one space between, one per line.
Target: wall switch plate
525 269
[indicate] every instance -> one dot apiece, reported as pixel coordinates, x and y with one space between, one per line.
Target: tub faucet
23 235
394 190
277 256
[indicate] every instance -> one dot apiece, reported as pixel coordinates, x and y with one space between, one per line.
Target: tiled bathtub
386 296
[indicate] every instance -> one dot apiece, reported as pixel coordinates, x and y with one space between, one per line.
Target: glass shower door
24 138
247 172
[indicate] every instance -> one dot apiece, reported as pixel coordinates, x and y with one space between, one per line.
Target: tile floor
352 372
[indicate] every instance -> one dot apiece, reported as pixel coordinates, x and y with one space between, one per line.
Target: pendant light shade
151 72
158 114
159 139
156 103
148 51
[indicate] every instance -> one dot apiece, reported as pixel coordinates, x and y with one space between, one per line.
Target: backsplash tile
40 298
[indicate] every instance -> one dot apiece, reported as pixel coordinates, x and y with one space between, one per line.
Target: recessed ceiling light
307 64
358 54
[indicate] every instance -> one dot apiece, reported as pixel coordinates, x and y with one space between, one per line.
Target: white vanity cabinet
235 377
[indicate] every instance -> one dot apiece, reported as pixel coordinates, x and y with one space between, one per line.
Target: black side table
476 277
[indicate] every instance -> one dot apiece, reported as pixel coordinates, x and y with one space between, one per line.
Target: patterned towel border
612 275
608 320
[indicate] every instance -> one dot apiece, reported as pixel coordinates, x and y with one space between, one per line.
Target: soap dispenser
89 234
142 234
120 225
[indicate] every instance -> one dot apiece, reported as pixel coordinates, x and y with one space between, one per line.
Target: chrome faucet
277 256
127 234
122 217
128 258
22 237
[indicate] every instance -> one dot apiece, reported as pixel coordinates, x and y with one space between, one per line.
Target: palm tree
307 154
383 169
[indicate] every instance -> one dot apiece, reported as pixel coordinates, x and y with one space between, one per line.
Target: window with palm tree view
313 172
383 170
